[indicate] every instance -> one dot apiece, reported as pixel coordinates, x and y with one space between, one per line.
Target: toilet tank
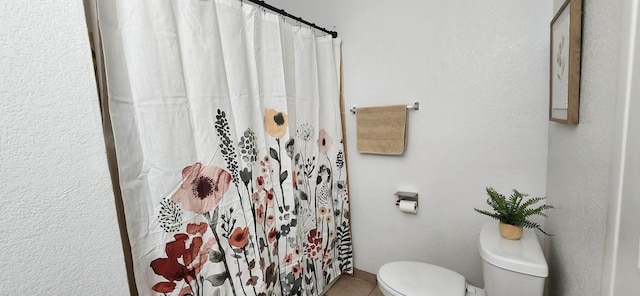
512 267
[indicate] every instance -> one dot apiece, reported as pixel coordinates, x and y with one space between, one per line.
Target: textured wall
479 70
580 160
627 271
628 261
59 230
621 271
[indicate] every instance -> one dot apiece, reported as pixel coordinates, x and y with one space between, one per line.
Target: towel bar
415 106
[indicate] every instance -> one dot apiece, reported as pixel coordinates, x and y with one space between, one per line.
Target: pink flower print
259 183
288 259
200 255
269 198
193 228
326 264
324 142
186 291
326 260
269 220
272 235
202 187
299 181
255 197
260 214
294 179
327 254
204 255
297 270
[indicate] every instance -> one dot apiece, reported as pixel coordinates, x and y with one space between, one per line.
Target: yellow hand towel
381 130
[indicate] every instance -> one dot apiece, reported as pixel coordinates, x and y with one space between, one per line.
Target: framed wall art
565 57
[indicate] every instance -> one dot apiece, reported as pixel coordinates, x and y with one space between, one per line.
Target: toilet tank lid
523 255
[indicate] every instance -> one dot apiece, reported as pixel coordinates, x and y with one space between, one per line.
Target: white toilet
509 267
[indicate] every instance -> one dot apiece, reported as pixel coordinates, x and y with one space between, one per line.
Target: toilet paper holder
405 195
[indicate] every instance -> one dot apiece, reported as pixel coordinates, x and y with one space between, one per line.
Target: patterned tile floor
360 284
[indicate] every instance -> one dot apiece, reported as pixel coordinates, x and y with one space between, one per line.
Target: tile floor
360 284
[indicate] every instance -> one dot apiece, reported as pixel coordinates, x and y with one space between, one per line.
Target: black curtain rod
333 34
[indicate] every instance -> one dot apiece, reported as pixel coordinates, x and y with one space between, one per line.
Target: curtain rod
333 34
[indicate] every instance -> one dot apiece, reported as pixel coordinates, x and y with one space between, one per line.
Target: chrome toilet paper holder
406 195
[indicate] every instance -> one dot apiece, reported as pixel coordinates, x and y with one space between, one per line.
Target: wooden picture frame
564 63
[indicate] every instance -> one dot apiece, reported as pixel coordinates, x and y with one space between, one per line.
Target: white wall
480 72
59 230
580 160
628 261
621 272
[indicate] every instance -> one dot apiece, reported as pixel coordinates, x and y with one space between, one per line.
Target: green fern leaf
515 209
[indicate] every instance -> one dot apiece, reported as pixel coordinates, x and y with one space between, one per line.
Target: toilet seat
421 279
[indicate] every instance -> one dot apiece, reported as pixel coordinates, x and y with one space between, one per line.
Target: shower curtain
227 127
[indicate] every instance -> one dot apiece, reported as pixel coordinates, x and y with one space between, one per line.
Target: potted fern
513 213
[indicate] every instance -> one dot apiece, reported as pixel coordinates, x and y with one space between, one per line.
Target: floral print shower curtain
227 126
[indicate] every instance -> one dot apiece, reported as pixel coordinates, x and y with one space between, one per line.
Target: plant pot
509 231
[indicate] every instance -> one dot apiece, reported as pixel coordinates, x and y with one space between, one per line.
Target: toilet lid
416 278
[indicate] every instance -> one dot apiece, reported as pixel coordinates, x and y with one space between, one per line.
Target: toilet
509 267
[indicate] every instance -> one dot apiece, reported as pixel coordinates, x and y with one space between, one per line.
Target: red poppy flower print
239 237
324 142
185 257
202 187
169 267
